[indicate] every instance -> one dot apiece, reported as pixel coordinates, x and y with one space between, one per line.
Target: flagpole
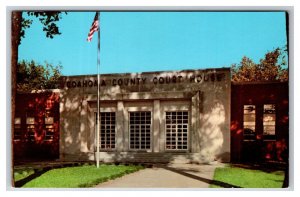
98 95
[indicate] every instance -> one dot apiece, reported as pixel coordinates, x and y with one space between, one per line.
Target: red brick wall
37 105
259 94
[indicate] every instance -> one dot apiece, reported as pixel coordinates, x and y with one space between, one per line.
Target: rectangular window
249 122
107 130
49 128
177 130
17 130
29 120
140 130
49 133
49 120
269 119
30 125
30 129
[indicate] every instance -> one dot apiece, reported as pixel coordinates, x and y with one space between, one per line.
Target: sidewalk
167 176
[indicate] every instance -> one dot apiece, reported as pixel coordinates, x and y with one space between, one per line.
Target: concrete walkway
167 176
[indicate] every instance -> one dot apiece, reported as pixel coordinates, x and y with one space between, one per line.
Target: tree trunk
16 19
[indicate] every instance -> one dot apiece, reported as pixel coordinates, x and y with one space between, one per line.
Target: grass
78 177
248 178
21 174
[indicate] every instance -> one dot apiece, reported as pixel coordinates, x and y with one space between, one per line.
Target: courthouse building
173 116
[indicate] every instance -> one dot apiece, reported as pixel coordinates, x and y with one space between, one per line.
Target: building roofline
258 82
152 72
40 91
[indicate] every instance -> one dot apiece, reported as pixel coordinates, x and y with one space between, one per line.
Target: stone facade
203 94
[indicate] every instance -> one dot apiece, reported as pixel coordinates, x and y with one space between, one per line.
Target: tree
272 68
33 76
18 26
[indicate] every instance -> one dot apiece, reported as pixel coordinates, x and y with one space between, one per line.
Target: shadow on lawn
36 174
266 167
44 166
218 183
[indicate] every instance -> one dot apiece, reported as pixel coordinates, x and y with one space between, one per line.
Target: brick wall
260 148
36 133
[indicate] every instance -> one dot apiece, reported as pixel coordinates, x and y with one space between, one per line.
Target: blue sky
155 41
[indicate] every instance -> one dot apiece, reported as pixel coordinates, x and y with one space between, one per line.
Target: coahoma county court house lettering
137 81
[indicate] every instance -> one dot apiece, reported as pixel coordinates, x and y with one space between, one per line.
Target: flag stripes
94 28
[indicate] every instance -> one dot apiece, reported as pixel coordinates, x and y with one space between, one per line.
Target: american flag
94 28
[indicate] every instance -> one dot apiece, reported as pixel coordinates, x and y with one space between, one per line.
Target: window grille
177 130
249 122
140 130
107 129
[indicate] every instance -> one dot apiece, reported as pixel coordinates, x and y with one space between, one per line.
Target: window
30 129
269 118
30 123
107 130
29 120
49 128
17 130
177 130
140 130
49 120
249 122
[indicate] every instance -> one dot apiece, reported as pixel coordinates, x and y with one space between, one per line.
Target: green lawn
21 174
76 177
247 178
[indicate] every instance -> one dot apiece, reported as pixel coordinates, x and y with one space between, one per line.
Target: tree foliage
34 76
48 19
273 67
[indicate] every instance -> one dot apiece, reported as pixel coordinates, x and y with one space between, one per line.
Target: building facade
259 121
181 116
36 126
